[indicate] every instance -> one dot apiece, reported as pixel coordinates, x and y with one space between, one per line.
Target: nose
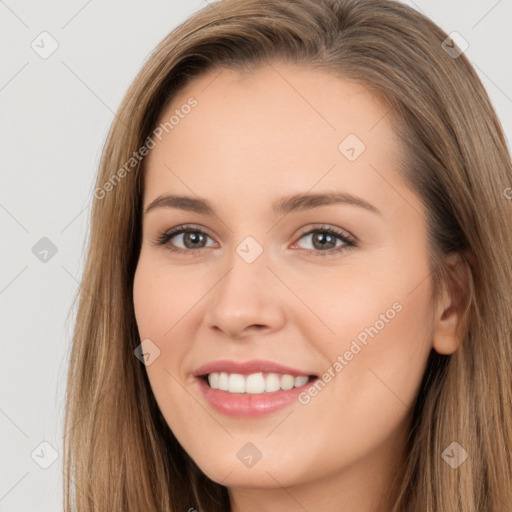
246 301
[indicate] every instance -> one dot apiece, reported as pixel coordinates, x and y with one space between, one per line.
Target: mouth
255 383
252 388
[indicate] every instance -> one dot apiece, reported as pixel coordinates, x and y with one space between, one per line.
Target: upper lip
248 367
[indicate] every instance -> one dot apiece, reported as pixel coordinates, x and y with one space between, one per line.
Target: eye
190 237
324 240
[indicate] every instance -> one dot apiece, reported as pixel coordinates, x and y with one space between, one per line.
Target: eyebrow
282 206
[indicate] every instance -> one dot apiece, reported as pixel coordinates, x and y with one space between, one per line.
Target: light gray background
55 116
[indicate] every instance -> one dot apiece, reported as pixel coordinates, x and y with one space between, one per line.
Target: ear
452 305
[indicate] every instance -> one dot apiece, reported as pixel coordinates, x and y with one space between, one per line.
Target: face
299 259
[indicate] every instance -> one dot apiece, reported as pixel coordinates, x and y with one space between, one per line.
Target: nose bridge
246 295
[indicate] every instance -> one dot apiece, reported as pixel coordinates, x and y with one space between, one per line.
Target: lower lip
248 404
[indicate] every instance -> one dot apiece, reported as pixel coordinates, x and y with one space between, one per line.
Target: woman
218 363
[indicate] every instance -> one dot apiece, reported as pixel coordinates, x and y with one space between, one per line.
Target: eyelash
348 240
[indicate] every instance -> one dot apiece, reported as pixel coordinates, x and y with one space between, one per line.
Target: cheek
381 303
378 355
162 297
375 347
165 303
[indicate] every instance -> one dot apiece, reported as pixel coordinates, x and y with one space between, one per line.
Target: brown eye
186 239
322 240
193 239
327 240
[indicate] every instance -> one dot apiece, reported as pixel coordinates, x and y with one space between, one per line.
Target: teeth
255 383
272 382
223 381
236 383
287 382
300 381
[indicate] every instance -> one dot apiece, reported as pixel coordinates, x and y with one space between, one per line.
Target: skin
252 138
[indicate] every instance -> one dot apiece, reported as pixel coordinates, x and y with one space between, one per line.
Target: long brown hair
120 455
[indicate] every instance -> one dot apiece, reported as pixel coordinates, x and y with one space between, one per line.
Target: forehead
280 127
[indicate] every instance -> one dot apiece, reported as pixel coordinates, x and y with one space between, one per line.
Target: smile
255 383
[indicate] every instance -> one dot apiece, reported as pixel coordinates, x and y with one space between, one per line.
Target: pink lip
246 404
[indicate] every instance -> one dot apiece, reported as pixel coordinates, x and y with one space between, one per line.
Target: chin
231 472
